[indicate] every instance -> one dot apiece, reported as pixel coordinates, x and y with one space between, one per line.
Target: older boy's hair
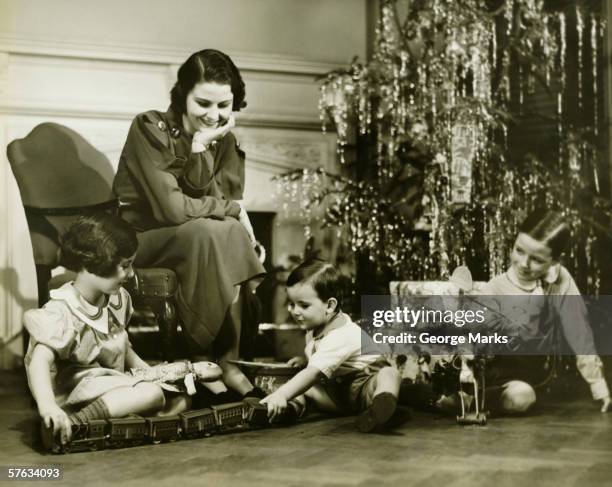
549 227
322 276
97 243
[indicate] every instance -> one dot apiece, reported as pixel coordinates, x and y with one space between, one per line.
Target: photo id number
31 473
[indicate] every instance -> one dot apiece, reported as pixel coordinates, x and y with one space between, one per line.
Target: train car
167 428
199 422
128 431
229 416
255 414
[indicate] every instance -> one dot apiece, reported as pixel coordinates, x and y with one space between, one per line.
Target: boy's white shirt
337 349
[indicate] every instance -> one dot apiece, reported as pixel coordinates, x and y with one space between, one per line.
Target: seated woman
535 271
180 181
79 352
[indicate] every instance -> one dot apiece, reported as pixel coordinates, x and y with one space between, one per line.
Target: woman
180 182
535 272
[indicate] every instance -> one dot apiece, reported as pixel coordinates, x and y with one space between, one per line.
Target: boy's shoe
378 414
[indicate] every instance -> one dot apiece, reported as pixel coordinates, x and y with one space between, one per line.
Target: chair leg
43 276
167 320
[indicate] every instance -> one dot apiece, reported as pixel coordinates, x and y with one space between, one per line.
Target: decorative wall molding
157 55
35 85
4 66
264 120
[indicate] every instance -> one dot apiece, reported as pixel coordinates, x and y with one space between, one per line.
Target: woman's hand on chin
207 135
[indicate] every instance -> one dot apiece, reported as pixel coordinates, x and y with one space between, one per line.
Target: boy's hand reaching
276 405
298 361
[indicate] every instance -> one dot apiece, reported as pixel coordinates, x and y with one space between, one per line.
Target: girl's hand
297 362
276 405
205 136
55 416
605 404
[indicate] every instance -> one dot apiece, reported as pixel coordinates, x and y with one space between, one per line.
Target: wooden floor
563 443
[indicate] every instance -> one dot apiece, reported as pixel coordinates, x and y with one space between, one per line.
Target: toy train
135 430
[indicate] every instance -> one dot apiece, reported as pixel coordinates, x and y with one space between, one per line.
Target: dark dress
183 206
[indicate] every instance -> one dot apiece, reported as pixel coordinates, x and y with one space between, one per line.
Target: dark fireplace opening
263 226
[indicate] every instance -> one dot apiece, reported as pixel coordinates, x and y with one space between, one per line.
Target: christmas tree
434 169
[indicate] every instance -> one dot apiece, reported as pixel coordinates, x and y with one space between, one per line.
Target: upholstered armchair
61 176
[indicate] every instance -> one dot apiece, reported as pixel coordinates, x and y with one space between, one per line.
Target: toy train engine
166 428
85 437
255 414
229 416
201 422
129 431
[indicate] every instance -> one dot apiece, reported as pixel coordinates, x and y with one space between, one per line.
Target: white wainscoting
96 90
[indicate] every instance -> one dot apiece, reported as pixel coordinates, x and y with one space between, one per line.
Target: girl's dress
90 344
184 207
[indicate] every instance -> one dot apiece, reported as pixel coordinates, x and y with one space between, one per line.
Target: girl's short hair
97 243
548 227
324 278
210 66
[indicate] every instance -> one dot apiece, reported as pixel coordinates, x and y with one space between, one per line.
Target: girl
79 348
181 181
535 271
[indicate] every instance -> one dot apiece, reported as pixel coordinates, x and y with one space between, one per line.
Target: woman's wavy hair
210 66
97 243
548 227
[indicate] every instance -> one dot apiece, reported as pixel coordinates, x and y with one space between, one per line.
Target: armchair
61 176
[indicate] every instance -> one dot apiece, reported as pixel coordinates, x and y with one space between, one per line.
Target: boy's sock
378 414
96 410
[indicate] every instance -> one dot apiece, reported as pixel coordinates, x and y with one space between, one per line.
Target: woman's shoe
256 392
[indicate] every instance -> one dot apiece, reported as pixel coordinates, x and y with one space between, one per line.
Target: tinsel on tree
428 180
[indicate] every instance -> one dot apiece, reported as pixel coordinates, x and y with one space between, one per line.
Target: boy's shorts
354 392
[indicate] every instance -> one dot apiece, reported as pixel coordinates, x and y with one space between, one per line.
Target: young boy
338 377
